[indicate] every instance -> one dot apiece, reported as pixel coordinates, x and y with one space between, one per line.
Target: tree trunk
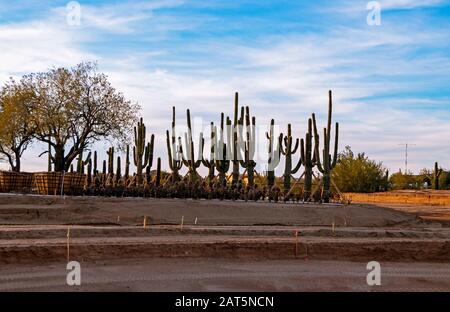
59 162
15 167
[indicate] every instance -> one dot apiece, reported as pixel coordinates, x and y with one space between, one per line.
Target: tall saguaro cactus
248 145
189 159
118 169
127 162
95 163
222 163
173 151
232 138
142 153
437 173
288 150
209 163
273 155
308 159
110 153
158 172
327 163
82 163
89 173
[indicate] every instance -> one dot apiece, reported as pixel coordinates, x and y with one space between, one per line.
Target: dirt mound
131 211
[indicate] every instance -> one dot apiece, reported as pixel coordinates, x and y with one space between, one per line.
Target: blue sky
391 82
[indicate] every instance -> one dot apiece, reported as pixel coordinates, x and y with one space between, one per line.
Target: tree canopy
357 173
16 128
69 109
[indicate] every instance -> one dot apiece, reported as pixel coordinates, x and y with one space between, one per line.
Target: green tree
76 107
357 173
401 181
16 128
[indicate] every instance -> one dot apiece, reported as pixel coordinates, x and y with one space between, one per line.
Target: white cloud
409 4
284 77
37 46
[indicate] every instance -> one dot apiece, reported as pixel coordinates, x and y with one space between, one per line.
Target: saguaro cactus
89 173
328 163
110 153
273 155
437 173
142 153
81 163
222 163
232 138
288 150
209 163
95 163
158 172
308 159
127 162
173 151
248 145
189 159
118 169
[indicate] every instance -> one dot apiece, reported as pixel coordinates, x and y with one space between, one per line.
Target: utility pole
406 155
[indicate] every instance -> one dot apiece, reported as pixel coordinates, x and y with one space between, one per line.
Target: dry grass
422 197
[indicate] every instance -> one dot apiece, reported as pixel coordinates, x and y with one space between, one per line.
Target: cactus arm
169 151
335 154
316 156
181 152
297 167
201 142
295 147
280 143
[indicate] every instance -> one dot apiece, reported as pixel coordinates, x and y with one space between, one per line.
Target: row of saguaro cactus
235 152
142 157
238 150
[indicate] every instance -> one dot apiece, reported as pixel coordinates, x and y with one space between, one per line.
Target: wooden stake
145 223
118 219
195 221
68 244
182 223
332 227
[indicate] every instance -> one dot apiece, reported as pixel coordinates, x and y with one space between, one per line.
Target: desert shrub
358 173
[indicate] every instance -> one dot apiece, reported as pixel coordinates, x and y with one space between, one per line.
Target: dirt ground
244 239
226 275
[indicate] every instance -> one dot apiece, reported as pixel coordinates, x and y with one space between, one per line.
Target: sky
391 82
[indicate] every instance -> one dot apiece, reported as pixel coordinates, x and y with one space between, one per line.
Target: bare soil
236 275
33 234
